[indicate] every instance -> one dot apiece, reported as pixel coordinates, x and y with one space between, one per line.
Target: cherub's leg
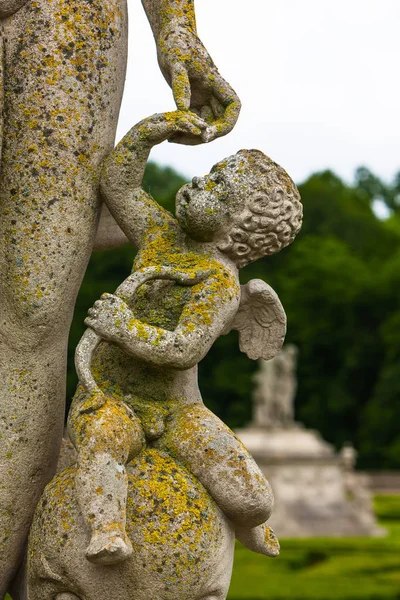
106 439
212 452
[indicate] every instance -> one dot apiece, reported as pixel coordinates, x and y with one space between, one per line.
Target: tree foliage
340 285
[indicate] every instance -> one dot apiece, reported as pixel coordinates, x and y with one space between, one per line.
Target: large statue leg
64 70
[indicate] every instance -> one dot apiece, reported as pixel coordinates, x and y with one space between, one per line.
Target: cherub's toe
260 539
108 549
272 546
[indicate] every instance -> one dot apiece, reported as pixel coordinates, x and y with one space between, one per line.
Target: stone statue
276 390
138 401
317 491
62 75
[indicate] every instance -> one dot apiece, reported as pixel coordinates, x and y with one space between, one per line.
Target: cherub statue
137 362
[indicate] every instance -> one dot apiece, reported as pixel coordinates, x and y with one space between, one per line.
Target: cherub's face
206 207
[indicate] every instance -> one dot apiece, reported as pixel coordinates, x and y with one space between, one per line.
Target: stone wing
260 321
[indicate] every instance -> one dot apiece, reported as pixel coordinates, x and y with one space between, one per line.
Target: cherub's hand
107 317
196 83
164 126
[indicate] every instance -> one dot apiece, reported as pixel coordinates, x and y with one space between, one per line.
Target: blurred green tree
375 189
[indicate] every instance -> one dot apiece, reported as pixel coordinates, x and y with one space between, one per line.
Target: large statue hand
196 83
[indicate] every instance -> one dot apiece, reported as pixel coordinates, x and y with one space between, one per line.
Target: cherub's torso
164 304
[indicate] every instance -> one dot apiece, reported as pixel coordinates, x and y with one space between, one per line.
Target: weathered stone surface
62 74
138 397
63 77
182 543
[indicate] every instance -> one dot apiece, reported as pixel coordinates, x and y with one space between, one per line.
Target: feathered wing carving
260 321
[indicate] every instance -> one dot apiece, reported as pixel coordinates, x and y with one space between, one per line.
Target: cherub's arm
214 304
123 171
189 69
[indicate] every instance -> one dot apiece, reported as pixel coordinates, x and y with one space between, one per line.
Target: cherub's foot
260 539
109 548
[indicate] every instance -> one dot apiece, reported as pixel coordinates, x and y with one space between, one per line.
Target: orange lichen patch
111 428
55 515
271 541
176 530
61 89
166 508
182 12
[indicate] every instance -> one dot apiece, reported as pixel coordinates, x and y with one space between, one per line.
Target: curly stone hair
272 217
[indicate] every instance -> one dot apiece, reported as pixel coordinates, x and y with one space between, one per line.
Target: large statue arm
121 179
189 69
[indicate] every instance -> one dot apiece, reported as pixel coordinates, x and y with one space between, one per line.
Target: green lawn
325 569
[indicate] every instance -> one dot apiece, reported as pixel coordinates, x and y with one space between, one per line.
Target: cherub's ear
260 321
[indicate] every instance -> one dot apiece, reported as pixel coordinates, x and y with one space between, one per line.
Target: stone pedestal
183 544
315 493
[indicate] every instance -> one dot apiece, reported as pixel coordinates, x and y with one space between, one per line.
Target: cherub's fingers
106 296
190 128
180 85
89 322
186 125
185 139
190 140
197 120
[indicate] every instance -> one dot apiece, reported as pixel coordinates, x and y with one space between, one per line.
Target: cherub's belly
153 394
119 374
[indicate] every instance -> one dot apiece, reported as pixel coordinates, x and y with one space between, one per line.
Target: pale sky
319 83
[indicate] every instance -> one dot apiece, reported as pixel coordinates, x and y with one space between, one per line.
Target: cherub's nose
198 182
